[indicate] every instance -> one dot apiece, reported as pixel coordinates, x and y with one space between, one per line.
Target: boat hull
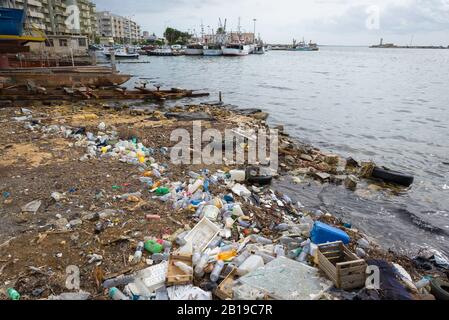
213 52
11 21
194 52
63 77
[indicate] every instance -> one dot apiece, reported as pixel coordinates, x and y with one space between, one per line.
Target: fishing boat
166 51
212 50
55 77
124 53
11 21
259 49
236 49
194 50
302 46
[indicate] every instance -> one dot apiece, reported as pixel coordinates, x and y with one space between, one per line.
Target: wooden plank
176 276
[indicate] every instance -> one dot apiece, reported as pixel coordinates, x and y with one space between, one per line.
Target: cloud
324 21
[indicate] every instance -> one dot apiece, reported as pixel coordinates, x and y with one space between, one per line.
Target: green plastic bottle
153 247
13 294
161 191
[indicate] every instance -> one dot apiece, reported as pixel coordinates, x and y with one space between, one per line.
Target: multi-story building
118 28
57 17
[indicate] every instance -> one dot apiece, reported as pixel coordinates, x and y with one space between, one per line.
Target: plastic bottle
227 255
194 187
305 251
241 258
116 294
13 294
158 257
199 269
282 227
279 251
217 271
153 247
252 263
196 258
260 239
119 281
265 256
184 267
424 282
138 254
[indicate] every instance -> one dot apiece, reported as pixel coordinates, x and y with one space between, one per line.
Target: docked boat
194 50
212 50
302 46
11 21
56 77
236 49
161 52
126 53
259 49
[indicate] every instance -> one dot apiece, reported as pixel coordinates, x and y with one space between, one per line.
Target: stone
75 223
322 176
351 182
331 159
61 224
306 157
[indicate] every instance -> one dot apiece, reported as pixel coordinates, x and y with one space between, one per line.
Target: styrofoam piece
202 234
188 292
154 276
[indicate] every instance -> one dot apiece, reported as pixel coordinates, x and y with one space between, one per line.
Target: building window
49 43
63 42
82 42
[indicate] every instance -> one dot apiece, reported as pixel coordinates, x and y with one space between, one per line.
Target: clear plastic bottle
305 252
116 294
184 267
241 258
138 254
260 239
199 268
119 281
217 271
265 256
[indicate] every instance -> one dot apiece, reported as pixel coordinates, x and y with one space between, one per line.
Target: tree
174 36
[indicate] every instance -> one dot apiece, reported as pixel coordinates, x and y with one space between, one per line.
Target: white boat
212 50
259 50
194 50
236 50
123 53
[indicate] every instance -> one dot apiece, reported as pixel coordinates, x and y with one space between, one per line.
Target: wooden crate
342 266
176 276
224 290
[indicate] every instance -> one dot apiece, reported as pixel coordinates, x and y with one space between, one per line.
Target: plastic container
13 294
241 258
215 275
116 294
211 212
324 233
153 247
199 268
138 254
238 175
252 263
261 240
119 281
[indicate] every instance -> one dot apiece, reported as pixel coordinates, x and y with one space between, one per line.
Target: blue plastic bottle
324 233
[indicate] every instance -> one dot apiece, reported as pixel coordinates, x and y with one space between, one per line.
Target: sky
327 22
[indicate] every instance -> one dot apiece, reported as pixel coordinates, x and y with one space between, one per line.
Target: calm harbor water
387 105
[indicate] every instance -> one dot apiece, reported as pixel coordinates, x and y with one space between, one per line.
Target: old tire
253 177
440 289
393 176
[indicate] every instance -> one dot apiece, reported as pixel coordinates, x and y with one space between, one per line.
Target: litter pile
243 240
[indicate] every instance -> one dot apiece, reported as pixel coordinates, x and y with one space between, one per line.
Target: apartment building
58 17
120 29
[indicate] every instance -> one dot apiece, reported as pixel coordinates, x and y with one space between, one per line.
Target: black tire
393 176
256 178
440 289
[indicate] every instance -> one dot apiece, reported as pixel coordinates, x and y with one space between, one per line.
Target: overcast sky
340 22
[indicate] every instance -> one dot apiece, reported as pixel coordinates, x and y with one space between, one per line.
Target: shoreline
150 127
